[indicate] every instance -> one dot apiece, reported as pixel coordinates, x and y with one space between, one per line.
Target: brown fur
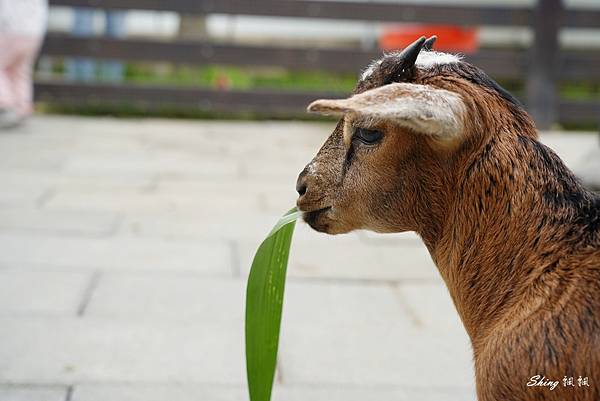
514 235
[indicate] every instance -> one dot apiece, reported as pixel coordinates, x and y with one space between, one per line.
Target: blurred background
166 141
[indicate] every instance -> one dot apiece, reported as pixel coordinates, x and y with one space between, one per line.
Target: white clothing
23 17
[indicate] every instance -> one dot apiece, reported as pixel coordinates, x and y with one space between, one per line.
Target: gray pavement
124 249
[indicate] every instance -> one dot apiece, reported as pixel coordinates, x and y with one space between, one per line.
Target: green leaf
264 302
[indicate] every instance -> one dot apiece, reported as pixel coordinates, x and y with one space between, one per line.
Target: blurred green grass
212 76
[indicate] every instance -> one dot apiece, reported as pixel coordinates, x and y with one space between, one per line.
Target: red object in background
449 37
222 81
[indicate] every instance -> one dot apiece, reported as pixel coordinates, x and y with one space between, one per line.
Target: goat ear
423 109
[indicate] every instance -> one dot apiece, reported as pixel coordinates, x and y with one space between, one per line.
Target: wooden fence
542 67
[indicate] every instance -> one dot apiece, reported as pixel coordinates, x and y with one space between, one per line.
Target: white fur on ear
424 109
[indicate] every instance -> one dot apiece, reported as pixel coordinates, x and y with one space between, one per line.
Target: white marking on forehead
428 59
370 69
425 60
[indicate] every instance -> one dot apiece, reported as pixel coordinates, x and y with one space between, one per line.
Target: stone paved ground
124 249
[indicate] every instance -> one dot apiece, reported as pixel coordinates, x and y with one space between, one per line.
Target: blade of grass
264 303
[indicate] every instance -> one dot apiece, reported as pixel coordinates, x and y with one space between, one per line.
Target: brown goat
429 143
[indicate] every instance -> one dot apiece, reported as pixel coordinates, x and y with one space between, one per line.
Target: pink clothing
16 68
22 27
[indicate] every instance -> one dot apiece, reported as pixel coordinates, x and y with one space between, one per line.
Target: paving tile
589 170
232 225
15 180
273 195
32 393
133 201
192 298
31 137
357 392
571 147
285 167
279 201
315 255
292 141
240 186
164 164
118 253
60 222
345 305
39 160
154 392
190 392
431 303
374 354
43 180
60 350
111 143
21 197
157 297
41 291
389 239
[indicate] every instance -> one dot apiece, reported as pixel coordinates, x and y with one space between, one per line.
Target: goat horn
410 54
428 45
405 61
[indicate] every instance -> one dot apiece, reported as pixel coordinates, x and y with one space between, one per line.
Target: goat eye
368 136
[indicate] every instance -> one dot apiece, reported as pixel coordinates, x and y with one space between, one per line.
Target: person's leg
16 61
20 73
7 57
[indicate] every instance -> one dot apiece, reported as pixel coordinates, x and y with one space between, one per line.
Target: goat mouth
316 211
313 216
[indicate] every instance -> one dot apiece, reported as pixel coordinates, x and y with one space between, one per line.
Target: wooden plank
268 102
579 111
582 18
498 63
396 12
195 52
579 65
372 11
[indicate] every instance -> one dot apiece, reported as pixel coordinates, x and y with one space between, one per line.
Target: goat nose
301 185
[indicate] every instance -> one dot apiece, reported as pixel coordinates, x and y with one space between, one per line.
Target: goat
429 143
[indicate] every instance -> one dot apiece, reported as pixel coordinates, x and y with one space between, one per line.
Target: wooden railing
541 67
